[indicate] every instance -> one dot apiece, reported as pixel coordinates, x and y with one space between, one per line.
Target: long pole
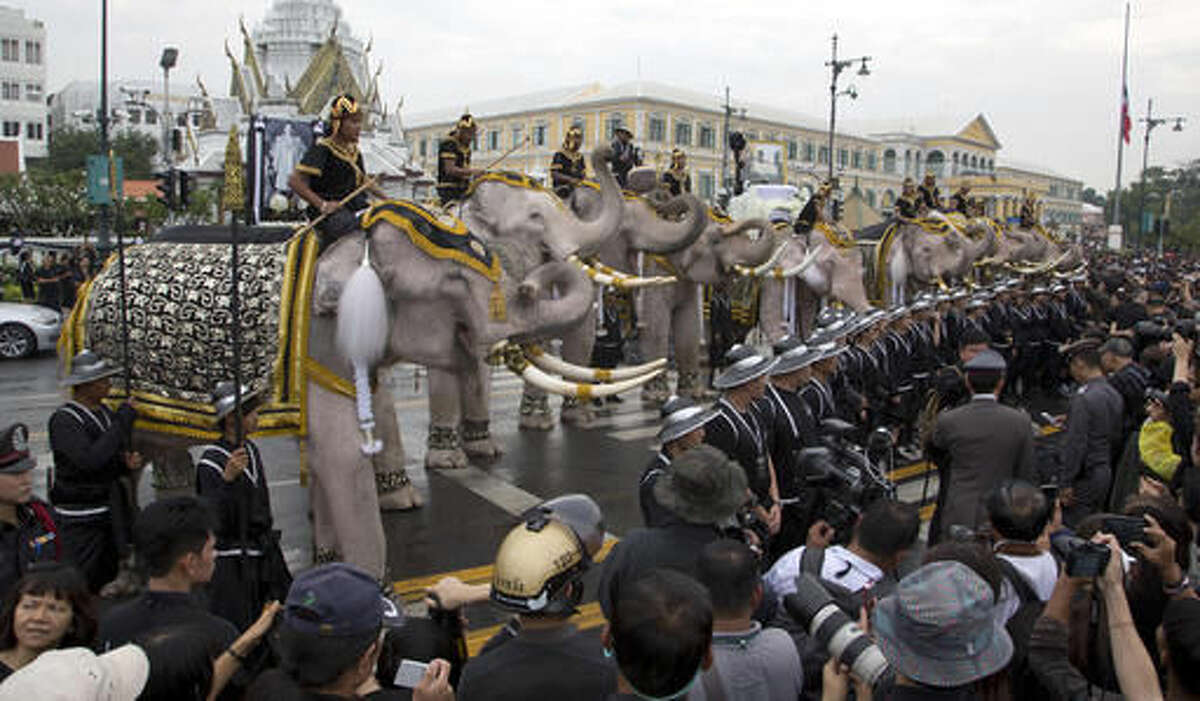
1141 226
166 130
1116 215
725 149
833 74
105 244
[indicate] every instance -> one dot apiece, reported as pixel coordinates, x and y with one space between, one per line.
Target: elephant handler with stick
331 171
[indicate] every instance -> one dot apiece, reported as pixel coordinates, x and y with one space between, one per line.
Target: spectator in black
49 282
1092 423
660 633
1128 377
27 530
49 608
1130 309
539 576
705 490
749 662
1161 568
1179 648
92 455
26 276
1181 408
328 639
624 155
175 545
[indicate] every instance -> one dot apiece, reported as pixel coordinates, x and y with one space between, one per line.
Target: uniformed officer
683 429
908 203
930 195
454 160
568 169
1092 424
739 431
960 201
818 392
27 530
676 179
331 170
792 428
814 210
93 503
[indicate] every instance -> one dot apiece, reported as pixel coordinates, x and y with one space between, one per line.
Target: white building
22 81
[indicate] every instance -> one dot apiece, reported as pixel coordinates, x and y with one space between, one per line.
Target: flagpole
1116 216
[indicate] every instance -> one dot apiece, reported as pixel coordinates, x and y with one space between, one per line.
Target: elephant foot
477 442
576 413
689 385
535 413
656 391
443 449
404 498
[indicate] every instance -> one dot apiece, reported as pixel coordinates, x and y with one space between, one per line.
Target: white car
27 328
772 202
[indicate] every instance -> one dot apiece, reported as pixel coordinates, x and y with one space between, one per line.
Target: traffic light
166 188
177 140
185 185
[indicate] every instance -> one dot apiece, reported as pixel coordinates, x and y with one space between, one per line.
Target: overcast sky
1046 73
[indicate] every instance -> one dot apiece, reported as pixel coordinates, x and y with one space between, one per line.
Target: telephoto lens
813 607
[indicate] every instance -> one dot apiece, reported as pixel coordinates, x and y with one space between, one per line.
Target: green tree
70 147
1092 197
1178 187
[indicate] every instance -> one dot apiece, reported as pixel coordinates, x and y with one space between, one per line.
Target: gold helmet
343 106
574 135
535 563
466 121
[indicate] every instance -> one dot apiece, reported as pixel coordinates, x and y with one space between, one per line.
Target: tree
1090 196
70 147
1180 187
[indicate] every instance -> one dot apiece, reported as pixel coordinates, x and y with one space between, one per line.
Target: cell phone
410 673
1047 418
1126 529
1087 559
1050 491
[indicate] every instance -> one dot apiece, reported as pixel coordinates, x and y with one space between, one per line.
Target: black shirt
906 207
654 514
677 182
87 446
32 540
570 164
741 436
247 494
563 663
931 196
675 546
334 171
158 609
808 216
450 152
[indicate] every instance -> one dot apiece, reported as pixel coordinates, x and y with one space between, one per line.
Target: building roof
1033 168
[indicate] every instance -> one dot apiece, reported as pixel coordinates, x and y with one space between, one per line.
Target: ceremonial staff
234 200
368 183
506 154
112 192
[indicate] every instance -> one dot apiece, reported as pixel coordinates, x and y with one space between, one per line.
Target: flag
1126 122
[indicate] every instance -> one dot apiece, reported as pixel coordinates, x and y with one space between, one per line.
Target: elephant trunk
649 231
552 299
740 250
569 234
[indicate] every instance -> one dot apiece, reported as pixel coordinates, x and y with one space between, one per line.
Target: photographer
1180 406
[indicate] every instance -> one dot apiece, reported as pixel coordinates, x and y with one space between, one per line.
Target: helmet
580 513
535 563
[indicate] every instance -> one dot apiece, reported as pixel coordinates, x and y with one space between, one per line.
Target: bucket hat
742 364
87 367
702 486
681 416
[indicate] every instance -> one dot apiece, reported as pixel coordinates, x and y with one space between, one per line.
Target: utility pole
1151 122
725 147
835 69
105 244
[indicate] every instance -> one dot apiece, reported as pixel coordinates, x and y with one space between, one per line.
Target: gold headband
343 105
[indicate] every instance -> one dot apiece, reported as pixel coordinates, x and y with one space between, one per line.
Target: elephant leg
475 397
771 312
577 349
396 492
347 525
535 410
443 449
685 325
656 325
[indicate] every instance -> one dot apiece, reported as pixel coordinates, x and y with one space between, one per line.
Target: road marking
590 616
635 434
505 495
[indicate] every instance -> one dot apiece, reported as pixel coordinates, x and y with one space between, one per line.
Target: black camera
1127 529
814 608
1186 328
1083 558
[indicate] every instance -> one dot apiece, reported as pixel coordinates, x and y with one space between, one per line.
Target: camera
1186 328
814 608
1127 529
1083 558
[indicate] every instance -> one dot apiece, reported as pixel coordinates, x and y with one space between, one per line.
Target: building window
33 52
33 130
423 147
539 135
135 116
708 136
151 117
683 133
613 121
808 151
707 185
871 160
935 163
658 129
871 199
856 159
792 150
12 128
518 136
843 157
493 140
10 90
823 154
889 161
10 49
33 92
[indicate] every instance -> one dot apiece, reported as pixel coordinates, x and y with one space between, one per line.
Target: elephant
922 254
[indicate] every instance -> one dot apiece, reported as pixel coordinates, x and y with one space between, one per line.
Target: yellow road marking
902 473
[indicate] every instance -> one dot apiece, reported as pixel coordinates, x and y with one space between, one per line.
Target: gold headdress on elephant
343 106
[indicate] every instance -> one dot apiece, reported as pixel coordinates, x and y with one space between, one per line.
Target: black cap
986 361
14 450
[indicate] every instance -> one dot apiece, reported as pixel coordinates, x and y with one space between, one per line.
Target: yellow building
525 131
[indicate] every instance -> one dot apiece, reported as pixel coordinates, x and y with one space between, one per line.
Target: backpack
1020 627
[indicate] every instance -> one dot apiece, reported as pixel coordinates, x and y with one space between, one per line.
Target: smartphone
410 673
1127 529
1050 491
1087 559
1047 418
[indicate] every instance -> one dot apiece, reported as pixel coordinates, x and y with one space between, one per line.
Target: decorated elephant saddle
506 177
436 237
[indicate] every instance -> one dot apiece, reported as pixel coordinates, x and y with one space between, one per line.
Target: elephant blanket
181 330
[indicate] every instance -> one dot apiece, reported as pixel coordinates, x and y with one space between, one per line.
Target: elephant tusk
580 390
618 279
803 265
765 268
553 364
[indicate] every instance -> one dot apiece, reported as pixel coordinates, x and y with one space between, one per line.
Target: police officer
331 169
1091 426
683 428
93 502
739 431
454 161
567 169
676 179
909 202
930 195
27 530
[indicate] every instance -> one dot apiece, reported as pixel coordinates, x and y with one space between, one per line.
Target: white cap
78 674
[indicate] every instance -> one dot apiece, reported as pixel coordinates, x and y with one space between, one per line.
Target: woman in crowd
49 608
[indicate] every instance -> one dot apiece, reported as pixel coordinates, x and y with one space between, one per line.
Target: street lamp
1150 121
836 67
167 62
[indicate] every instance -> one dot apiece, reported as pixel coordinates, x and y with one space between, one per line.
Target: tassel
497 309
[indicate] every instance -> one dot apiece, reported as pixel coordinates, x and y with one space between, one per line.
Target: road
466 512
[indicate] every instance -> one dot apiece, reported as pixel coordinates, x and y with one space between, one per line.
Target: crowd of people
54 279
